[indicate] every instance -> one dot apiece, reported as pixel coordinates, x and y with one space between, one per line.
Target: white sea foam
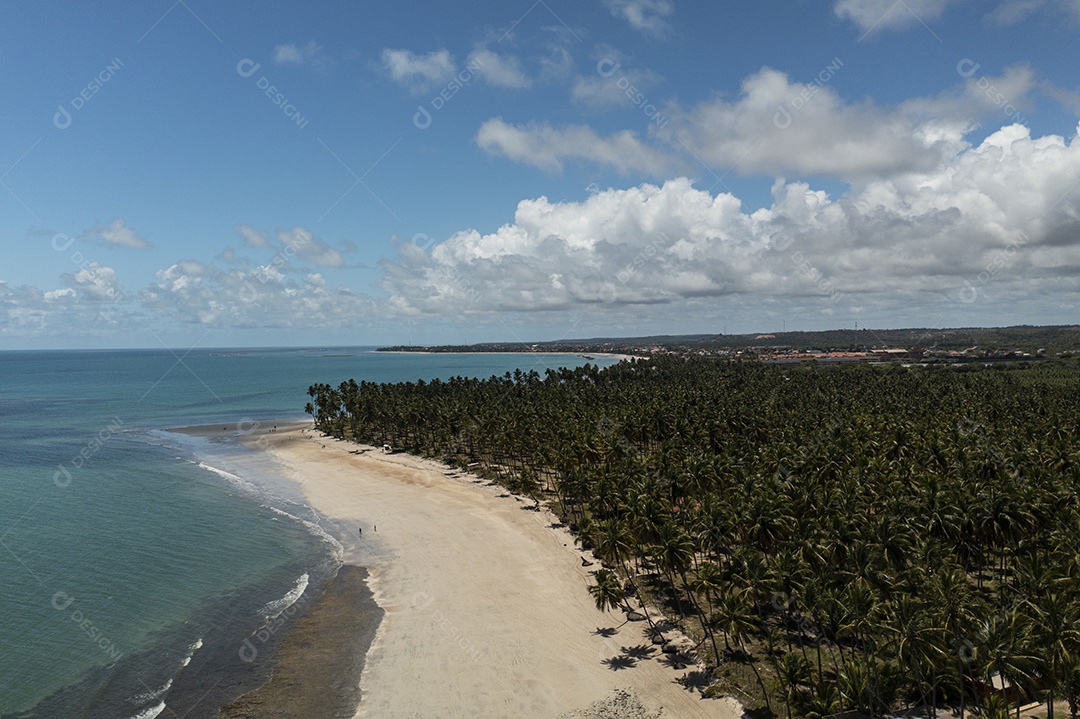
152 694
234 479
273 609
150 712
314 528
254 489
191 652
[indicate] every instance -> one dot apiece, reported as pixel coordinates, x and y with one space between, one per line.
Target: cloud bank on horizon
915 172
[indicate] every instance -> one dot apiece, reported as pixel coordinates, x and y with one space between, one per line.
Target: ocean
138 563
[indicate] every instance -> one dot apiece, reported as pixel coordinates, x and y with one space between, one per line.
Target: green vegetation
991 340
836 537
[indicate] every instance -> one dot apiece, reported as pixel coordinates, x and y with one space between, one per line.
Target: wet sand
317 666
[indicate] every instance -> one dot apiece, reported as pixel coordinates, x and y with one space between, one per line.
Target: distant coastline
458 351
935 345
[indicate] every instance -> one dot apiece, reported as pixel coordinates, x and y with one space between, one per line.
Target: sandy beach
487 612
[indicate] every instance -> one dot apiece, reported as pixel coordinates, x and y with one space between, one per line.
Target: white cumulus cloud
309 247
1011 12
498 70
996 223
648 16
776 127
613 81
875 15
419 73
93 282
91 304
251 236
117 233
995 98
191 292
310 53
780 127
547 147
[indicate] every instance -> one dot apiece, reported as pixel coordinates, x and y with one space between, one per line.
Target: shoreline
302 662
317 666
485 601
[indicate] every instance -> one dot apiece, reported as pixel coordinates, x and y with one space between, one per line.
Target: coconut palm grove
862 537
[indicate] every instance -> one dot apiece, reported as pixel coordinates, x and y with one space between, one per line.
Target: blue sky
247 173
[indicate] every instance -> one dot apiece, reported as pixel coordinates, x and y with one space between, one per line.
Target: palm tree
870 516
856 690
615 543
957 614
1072 686
1057 634
735 618
794 673
913 641
1004 650
708 580
607 592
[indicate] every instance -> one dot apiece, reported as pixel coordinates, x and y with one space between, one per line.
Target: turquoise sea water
135 562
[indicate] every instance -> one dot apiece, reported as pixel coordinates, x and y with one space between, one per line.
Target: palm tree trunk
760 682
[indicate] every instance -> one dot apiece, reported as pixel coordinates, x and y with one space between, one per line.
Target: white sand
487 608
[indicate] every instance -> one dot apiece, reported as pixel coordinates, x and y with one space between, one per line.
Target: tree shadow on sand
639 651
695 681
606 632
620 662
630 657
678 661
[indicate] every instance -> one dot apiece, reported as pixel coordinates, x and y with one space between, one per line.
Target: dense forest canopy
835 537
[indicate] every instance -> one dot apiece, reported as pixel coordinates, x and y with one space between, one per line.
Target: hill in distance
1053 340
